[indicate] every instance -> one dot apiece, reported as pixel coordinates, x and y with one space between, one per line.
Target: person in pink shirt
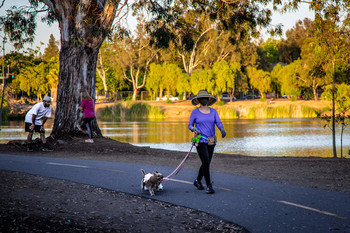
87 107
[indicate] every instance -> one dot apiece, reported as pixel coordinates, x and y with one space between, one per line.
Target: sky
44 31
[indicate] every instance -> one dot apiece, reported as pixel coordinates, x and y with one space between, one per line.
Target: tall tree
171 74
52 79
168 77
332 34
37 79
224 78
311 72
52 49
51 57
342 102
287 78
202 80
290 48
333 19
221 49
247 51
109 72
193 39
101 65
240 79
259 79
268 54
275 82
192 25
154 80
135 56
183 84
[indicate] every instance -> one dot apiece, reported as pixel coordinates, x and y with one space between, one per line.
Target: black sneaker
46 148
210 190
198 185
29 148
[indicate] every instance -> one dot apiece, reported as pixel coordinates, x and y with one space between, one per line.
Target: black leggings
205 153
87 123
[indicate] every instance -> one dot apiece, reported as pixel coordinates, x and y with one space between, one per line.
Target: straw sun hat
203 94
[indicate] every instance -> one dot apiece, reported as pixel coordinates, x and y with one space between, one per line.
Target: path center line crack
83 166
187 182
312 209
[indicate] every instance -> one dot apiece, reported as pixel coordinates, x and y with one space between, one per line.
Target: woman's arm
82 105
219 124
218 121
192 121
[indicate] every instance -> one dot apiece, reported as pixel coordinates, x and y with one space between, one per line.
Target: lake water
263 137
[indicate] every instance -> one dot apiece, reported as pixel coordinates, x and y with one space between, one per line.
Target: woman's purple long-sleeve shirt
205 122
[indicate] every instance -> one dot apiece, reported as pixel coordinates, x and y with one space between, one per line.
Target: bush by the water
129 110
226 112
287 111
5 109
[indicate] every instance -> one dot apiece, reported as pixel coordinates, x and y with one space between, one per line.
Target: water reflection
14 130
269 137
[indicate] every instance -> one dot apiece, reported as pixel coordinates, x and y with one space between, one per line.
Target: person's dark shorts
36 128
88 120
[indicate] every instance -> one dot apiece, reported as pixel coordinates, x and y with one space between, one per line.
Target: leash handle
196 138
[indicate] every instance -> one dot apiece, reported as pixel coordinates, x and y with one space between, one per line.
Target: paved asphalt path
257 205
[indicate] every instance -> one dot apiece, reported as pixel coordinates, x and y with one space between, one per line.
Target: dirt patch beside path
31 203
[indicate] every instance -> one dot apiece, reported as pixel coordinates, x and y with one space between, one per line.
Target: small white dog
151 181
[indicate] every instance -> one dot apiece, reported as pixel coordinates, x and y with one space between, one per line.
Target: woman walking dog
203 121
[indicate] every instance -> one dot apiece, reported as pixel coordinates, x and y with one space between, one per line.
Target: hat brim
212 99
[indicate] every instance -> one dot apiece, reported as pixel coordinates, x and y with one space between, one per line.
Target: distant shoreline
183 108
242 109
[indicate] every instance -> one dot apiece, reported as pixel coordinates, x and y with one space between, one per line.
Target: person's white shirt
40 111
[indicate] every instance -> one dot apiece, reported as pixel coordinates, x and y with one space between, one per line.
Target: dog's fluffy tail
143 172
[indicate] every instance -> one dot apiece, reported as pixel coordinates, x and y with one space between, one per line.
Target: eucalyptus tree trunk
83 26
77 72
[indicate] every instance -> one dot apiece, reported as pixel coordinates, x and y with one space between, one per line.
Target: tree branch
193 63
3 1
126 77
231 1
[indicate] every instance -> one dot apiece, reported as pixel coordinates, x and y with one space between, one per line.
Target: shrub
220 103
227 113
129 110
326 109
287 111
5 109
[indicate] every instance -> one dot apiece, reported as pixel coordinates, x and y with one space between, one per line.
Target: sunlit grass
129 110
220 103
5 109
264 111
226 112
